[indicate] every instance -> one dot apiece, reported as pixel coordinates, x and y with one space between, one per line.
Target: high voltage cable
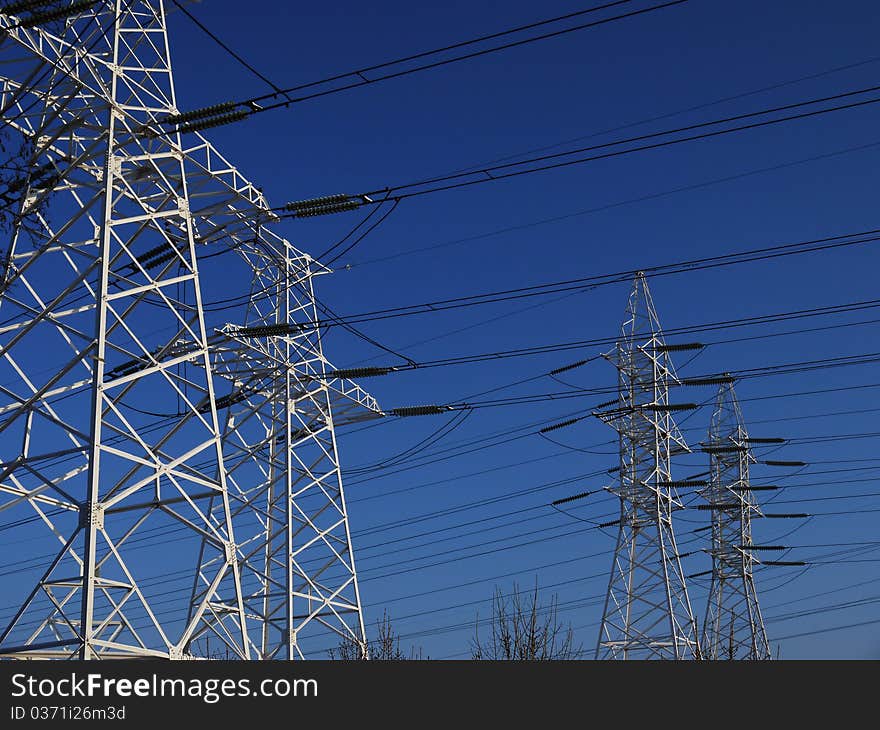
477 445
348 266
770 370
679 112
207 31
820 556
502 172
578 579
596 281
834 437
527 543
569 605
258 104
586 283
671 332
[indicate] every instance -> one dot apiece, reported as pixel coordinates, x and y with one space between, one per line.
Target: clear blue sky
513 102
538 95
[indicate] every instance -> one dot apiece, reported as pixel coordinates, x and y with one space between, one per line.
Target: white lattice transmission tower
647 613
143 442
733 628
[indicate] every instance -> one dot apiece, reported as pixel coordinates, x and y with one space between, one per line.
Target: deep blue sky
538 95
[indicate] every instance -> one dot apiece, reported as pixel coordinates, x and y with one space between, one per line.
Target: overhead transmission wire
348 266
679 112
443 183
469 625
826 243
277 90
233 111
848 512
860 544
793 367
492 500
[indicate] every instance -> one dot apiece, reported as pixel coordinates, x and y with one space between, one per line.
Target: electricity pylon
119 446
298 569
110 429
647 613
733 628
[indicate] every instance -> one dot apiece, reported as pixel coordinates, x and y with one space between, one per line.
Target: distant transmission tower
111 434
647 612
733 628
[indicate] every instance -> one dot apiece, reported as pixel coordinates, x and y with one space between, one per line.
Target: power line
495 173
591 282
234 111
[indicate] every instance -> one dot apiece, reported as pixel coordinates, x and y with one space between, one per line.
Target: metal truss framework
120 441
734 628
284 472
647 613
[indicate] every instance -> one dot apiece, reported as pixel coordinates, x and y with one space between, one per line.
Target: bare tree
385 647
523 630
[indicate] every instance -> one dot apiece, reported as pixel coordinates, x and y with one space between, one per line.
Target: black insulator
572 498
783 562
328 209
564 368
784 463
359 373
126 368
722 380
561 424
680 347
792 516
217 121
224 401
47 16
419 411
609 524
767 488
14 8
316 202
720 506
208 111
683 483
763 547
671 407
266 330
153 263
724 449
765 440
155 251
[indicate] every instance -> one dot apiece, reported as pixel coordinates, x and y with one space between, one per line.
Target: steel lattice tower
123 440
647 612
733 628
280 446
